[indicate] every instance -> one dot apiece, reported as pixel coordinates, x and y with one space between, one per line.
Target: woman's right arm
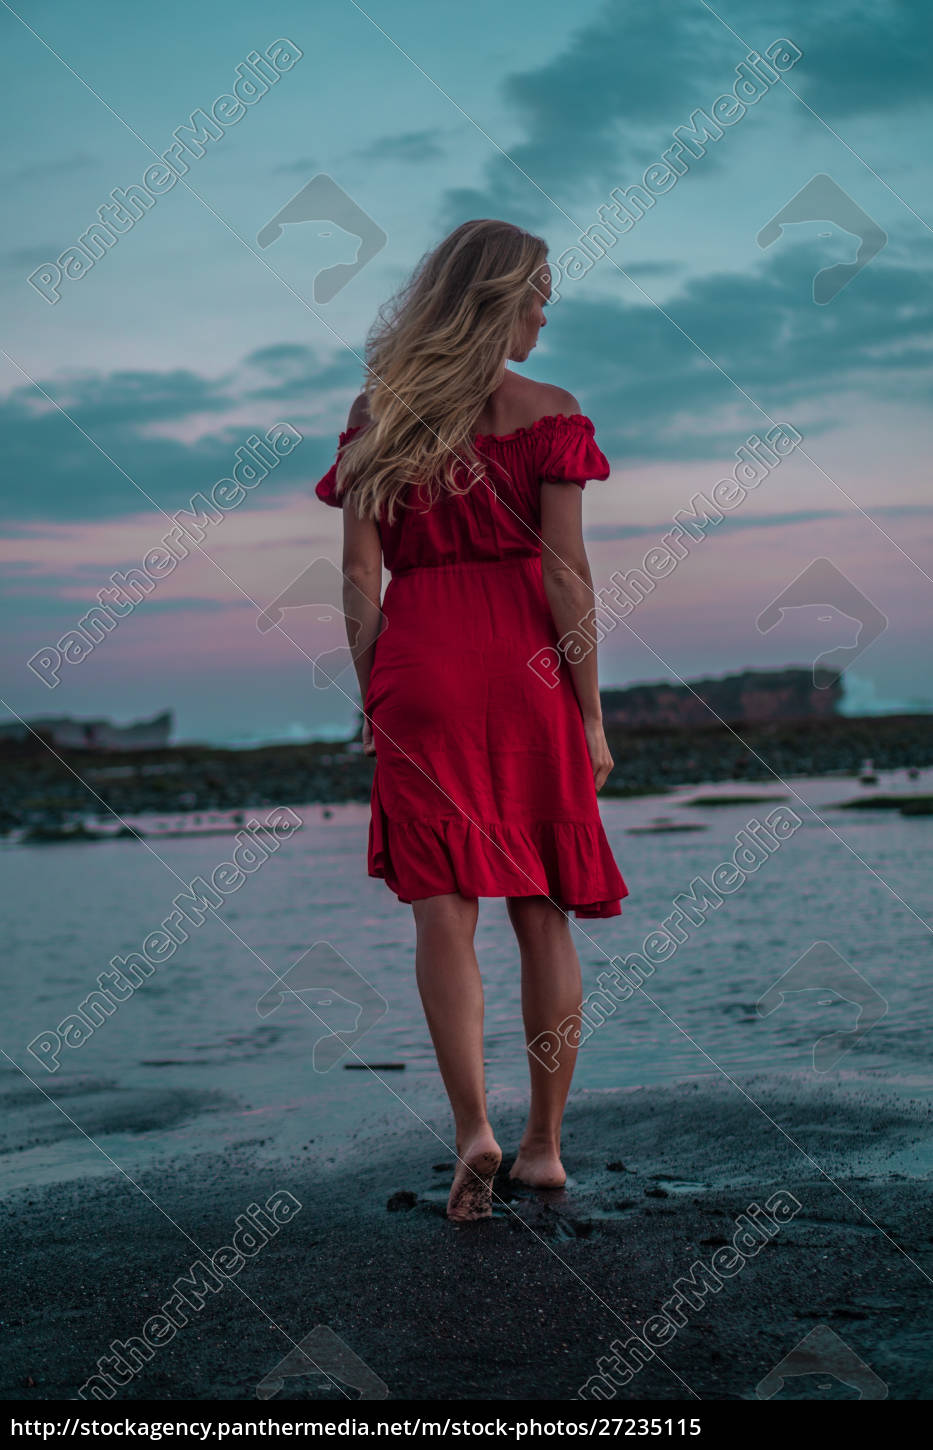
362 586
568 585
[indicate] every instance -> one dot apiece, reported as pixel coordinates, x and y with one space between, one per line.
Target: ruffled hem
569 861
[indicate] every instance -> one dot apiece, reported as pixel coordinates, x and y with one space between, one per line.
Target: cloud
299 373
650 390
280 357
139 397
411 147
61 475
653 269
862 56
26 259
606 105
603 106
611 533
643 376
43 171
303 166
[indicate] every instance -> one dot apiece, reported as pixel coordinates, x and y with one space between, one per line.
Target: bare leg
551 993
452 995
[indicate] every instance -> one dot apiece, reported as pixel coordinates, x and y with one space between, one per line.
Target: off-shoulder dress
482 783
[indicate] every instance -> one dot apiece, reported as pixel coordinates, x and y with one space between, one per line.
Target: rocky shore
40 792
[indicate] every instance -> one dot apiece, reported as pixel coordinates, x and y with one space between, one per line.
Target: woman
466 480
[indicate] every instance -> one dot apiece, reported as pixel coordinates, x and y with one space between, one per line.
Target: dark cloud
861 57
26 259
141 397
643 376
279 357
297 372
302 166
411 147
53 472
653 269
606 106
43 171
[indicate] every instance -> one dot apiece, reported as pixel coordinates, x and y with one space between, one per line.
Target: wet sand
521 1306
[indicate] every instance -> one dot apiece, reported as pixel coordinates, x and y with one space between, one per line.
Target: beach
197 1111
526 1304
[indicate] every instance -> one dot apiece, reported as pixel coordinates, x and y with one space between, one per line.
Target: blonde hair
434 356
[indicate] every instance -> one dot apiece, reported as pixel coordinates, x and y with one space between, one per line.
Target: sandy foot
471 1193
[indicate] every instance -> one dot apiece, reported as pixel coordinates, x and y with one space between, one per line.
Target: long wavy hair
434 356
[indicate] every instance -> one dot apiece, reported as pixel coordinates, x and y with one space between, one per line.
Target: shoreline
526 1304
37 791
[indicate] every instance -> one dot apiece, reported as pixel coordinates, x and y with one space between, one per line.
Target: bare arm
362 584
362 589
568 585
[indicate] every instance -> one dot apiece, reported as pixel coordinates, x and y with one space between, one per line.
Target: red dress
483 784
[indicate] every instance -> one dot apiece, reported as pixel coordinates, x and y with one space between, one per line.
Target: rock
402 1201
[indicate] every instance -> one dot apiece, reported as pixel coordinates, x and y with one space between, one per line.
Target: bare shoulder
358 416
551 401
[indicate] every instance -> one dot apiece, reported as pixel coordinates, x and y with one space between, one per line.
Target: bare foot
471 1193
539 1168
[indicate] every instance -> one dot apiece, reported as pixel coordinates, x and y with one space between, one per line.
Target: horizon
852 705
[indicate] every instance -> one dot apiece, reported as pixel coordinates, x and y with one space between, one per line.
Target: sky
133 374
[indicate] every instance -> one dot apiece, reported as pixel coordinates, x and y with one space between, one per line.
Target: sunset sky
134 391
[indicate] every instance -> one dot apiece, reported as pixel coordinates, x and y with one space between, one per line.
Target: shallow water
188 1063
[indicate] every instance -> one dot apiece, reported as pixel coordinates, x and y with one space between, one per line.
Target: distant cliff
65 733
755 697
